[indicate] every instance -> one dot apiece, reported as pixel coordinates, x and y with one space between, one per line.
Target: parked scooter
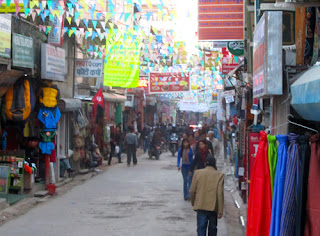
174 143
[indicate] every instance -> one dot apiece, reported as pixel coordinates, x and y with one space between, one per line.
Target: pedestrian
116 146
201 156
145 136
131 142
207 197
197 136
185 154
203 137
193 142
215 143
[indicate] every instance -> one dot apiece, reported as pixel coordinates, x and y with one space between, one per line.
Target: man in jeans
207 198
131 142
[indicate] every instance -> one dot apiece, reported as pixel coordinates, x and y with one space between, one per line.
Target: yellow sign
11 8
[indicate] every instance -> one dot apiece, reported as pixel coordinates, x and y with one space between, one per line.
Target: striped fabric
289 208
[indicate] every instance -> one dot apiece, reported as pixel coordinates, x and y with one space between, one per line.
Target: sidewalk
8 212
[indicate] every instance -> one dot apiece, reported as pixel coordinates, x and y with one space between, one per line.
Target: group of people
203 184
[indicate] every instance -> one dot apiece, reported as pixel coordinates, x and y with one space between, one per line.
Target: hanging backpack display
19 100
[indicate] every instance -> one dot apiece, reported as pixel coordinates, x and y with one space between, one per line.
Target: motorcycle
174 143
155 150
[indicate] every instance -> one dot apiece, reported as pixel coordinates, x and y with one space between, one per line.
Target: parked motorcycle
155 150
174 143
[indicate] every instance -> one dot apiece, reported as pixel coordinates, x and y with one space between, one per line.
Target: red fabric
203 154
98 99
53 156
312 226
260 202
27 169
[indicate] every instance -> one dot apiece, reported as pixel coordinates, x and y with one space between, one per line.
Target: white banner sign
89 68
53 62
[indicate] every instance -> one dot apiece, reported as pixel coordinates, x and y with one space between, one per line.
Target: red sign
226 67
144 83
221 20
171 82
254 139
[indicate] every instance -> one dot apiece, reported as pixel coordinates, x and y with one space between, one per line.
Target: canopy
305 94
113 97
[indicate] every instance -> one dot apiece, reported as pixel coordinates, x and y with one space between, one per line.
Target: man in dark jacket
131 142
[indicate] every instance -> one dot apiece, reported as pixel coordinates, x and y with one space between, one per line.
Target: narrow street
141 200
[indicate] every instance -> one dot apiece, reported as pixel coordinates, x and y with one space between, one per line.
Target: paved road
142 200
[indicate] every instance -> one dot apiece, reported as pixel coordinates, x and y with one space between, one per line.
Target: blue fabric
203 218
289 207
180 157
216 133
279 185
49 117
187 179
4 140
46 148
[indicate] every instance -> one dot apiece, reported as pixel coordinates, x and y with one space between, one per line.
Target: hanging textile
279 185
289 207
304 163
312 227
272 157
259 206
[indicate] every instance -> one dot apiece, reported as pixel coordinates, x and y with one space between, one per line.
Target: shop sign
171 82
53 62
55 37
12 7
89 68
22 51
144 83
228 93
228 65
267 56
229 99
4 179
130 100
5 36
219 45
220 20
254 139
236 48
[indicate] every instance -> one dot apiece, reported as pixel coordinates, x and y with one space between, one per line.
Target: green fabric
118 114
272 158
47 138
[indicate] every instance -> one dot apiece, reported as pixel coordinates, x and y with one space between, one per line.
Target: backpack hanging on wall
20 100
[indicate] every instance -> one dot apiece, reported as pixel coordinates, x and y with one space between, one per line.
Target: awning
69 104
306 96
114 97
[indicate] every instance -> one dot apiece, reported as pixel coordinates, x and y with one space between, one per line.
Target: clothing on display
289 207
46 148
279 185
312 227
47 136
260 203
49 117
272 157
302 189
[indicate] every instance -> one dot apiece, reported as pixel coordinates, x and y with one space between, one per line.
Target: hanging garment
312 226
279 185
272 157
304 163
260 203
289 207
49 117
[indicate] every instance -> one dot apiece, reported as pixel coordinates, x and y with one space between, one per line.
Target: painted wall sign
22 51
5 36
52 62
89 68
169 82
228 65
236 48
220 20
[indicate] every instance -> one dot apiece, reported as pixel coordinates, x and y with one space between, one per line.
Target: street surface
139 200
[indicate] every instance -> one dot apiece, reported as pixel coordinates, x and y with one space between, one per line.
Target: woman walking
201 156
185 154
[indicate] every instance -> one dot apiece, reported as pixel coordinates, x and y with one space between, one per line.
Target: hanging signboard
228 65
144 83
5 36
267 61
220 20
89 68
121 67
22 51
253 143
170 82
52 62
236 48
56 37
